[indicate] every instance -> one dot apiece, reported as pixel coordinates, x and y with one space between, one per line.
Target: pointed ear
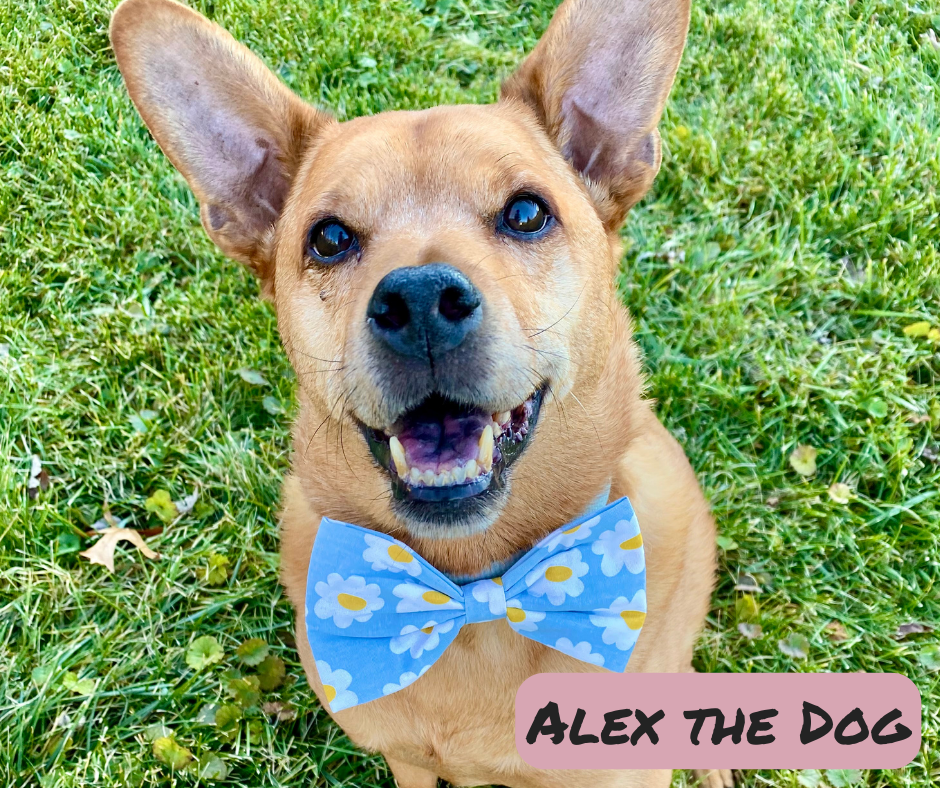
598 81
229 126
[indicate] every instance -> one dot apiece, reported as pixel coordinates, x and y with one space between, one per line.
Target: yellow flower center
351 602
632 544
330 693
498 581
435 597
427 630
558 574
571 530
633 618
400 554
515 614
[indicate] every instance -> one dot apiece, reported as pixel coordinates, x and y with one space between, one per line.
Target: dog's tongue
439 436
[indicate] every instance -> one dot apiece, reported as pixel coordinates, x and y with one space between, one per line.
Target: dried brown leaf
102 552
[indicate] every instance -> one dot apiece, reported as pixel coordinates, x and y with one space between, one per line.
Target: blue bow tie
378 615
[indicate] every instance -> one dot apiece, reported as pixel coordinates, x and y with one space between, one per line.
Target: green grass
791 236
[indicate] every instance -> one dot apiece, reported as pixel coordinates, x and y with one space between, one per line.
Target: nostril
392 313
458 303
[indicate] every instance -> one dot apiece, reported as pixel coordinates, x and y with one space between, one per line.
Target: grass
791 237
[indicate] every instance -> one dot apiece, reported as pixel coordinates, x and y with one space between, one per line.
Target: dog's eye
526 215
329 241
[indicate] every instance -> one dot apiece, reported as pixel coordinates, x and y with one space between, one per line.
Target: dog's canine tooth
471 468
460 474
486 449
398 455
415 476
502 418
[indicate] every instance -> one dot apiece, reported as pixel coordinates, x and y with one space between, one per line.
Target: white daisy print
393 556
347 600
582 651
558 577
415 597
417 640
622 620
336 686
404 680
490 592
522 620
567 536
622 547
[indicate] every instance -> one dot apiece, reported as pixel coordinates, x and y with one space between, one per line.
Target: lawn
790 239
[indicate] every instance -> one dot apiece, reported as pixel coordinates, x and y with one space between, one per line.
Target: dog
436 275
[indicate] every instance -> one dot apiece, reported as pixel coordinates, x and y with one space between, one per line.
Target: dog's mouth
443 452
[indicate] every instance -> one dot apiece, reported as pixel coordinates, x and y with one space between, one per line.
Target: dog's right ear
234 131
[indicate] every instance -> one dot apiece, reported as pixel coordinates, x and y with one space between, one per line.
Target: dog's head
443 279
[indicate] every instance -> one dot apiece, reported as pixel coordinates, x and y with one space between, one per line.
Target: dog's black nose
424 311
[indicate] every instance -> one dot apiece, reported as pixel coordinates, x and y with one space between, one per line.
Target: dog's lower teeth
460 474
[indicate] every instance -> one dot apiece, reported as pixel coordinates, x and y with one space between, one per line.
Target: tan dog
444 285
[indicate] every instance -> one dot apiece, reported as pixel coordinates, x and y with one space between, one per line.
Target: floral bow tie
378 615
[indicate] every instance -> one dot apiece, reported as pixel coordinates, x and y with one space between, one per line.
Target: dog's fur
576 123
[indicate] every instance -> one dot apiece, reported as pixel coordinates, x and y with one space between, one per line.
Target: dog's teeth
486 449
502 418
471 468
439 480
398 455
448 477
415 476
427 478
460 474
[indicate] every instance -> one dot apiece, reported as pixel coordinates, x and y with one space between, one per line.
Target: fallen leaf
750 631
876 407
271 673
102 552
253 377
930 657
809 778
161 504
217 570
836 632
203 652
272 405
212 767
919 329
773 501
726 543
73 683
796 646
913 628
206 715
40 674
38 478
918 418
157 731
280 710
843 778
746 608
227 719
167 751
245 690
252 651
930 37
803 460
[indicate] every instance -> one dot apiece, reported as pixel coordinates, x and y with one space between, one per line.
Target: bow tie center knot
484 600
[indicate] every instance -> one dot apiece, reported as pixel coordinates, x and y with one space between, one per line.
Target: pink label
739 721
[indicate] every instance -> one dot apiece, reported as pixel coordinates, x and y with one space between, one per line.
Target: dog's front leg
408 776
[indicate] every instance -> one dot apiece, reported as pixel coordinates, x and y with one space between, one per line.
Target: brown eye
329 241
525 215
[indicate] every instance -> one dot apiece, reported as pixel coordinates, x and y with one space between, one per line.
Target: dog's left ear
598 81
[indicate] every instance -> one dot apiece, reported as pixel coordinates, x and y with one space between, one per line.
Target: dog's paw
713 778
